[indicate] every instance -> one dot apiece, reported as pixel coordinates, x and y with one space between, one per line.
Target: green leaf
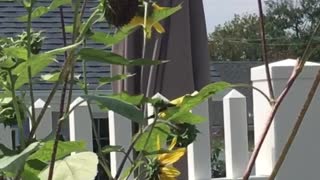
33 168
164 13
39 11
16 52
98 55
69 28
109 149
131 99
4 151
38 64
187 117
52 77
91 54
111 39
145 62
82 165
191 101
29 175
12 164
160 130
64 149
118 106
131 169
94 17
107 80
63 49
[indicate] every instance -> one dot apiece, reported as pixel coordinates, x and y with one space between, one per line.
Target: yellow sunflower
138 20
166 161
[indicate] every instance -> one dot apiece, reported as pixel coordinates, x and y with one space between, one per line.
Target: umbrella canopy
184 44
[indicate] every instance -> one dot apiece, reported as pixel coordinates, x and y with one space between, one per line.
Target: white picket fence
303 159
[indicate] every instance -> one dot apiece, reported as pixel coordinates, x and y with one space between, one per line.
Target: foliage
22 60
288 25
72 167
217 163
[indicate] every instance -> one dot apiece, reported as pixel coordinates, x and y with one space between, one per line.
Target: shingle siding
51 26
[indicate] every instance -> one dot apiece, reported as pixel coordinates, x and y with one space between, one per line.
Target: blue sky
219 11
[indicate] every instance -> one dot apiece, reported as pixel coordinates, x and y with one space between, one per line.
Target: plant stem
58 130
144 45
17 110
296 127
264 50
135 139
104 162
33 115
152 126
254 88
63 74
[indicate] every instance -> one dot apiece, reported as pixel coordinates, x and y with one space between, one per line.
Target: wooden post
5 136
303 158
199 152
45 126
120 133
80 123
235 133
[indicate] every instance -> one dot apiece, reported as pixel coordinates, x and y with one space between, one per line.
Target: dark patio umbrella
184 44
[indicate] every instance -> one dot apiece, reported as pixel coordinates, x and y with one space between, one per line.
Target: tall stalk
17 110
69 70
63 74
264 50
104 162
33 115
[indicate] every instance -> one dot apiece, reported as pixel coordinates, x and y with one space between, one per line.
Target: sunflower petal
171 157
169 171
173 143
159 28
163 177
137 20
177 101
156 7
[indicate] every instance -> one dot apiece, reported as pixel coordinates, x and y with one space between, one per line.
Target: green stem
152 126
104 162
17 111
32 117
56 142
62 76
135 139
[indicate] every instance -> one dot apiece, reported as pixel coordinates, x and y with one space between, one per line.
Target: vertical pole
45 126
235 133
120 133
80 123
199 152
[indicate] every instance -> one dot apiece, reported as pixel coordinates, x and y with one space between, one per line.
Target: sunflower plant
157 145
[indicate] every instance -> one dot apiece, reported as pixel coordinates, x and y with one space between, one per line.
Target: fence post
6 136
235 133
80 123
199 152
303 158
120 133
45 126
